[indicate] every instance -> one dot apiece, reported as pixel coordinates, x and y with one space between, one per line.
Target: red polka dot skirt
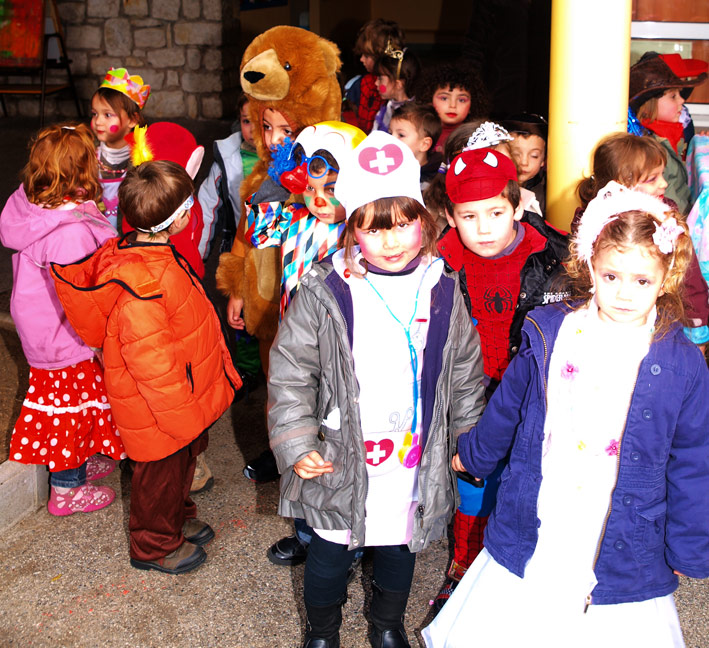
65 419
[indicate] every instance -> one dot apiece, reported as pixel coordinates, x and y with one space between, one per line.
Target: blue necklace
413 356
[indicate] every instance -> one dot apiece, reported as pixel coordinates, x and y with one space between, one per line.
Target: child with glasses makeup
167 370
307 229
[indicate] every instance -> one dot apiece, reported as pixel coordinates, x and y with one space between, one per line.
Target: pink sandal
98 467
83 499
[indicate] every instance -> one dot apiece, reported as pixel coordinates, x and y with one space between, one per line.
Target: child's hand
458 466
99 357
233 313
312 466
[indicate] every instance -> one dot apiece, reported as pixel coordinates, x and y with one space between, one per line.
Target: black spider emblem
497 300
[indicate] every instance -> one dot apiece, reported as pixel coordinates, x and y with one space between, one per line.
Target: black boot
323 626
387 614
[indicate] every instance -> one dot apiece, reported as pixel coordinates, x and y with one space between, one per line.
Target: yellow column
588 92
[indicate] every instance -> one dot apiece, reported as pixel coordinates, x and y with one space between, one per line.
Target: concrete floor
67 581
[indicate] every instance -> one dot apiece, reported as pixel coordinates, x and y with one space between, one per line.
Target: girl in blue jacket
605 416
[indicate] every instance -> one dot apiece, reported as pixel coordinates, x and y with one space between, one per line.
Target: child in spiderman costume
509 260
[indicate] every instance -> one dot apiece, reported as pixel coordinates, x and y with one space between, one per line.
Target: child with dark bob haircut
168 373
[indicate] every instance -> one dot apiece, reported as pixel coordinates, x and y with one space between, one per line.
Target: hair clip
666 235
443 168
395 54
68 127
487 135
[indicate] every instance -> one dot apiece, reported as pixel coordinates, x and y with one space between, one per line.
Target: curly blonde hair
62 166
636 229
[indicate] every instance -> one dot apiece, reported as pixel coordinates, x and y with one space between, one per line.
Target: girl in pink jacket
65 418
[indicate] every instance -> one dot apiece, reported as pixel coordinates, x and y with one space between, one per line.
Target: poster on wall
247 5
21 33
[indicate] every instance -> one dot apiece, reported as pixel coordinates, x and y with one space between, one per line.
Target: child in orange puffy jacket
167 369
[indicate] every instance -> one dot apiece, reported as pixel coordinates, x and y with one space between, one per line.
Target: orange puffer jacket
168 372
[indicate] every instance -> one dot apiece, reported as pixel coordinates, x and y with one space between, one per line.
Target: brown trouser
160 501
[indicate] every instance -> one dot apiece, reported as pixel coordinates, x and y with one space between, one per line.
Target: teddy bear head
293 71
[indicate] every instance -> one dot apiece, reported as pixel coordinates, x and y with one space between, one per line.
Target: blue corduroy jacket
658 517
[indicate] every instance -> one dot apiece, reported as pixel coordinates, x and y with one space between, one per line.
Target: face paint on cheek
113 128
418 237
382 89
365 249
335 202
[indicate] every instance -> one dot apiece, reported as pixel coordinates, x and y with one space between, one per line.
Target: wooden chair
40 66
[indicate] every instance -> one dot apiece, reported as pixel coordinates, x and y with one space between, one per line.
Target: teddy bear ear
331 55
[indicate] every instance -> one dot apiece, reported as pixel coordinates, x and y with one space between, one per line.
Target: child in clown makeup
306 230
374 371
116 109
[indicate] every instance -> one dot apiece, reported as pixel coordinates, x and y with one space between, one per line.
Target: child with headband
604 416
361 420
168 372
116 109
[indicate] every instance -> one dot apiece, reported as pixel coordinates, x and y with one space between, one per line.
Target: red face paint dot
113 129
382 89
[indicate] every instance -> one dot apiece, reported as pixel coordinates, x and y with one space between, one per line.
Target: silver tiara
486 135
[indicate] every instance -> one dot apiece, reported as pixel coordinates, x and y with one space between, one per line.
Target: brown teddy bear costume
293 71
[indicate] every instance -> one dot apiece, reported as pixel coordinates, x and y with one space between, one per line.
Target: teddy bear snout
254 77
264 77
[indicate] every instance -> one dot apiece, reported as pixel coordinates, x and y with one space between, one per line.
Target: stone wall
177 46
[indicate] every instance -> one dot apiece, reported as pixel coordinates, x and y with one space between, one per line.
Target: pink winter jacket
41 236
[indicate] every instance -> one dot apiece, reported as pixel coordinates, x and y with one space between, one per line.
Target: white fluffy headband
615 199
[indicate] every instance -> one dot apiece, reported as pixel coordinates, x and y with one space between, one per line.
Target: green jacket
676 177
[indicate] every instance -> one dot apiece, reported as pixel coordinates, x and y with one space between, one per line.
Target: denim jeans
328 562
303 531
72 478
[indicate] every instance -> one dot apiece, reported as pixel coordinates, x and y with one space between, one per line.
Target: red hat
478 175
685 68
166 141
